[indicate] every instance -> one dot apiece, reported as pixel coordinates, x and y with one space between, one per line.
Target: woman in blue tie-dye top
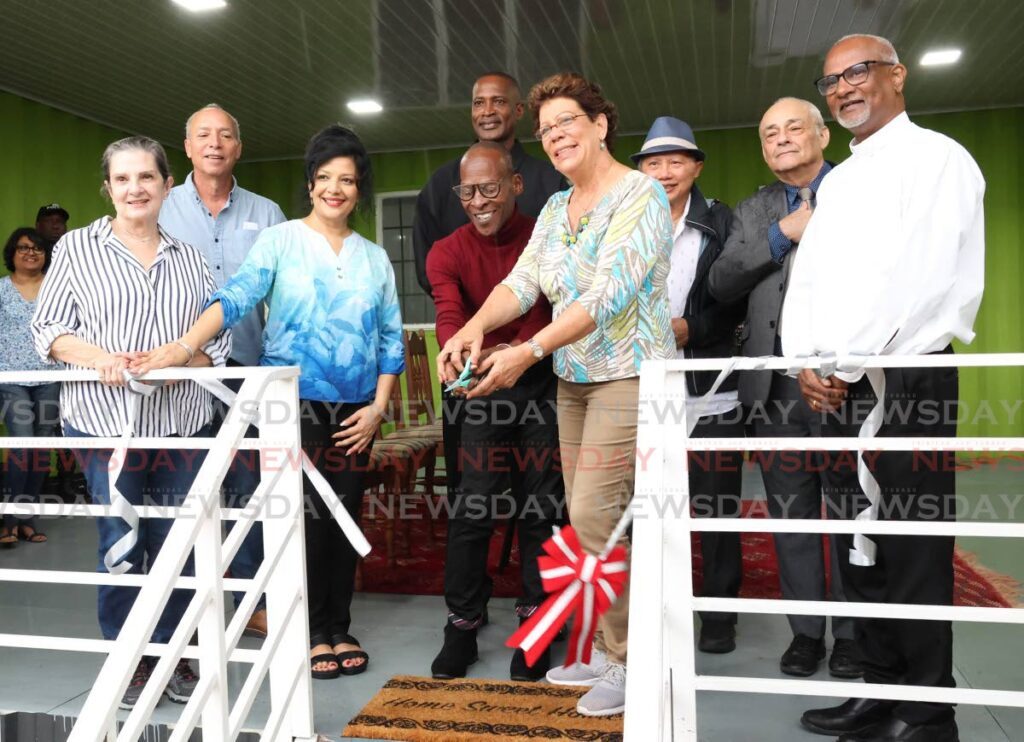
334 313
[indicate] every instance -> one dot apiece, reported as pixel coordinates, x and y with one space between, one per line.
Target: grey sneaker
579 673
182 683
608 697
138 682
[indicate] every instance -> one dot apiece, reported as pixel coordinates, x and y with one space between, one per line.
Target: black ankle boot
457 654
519 670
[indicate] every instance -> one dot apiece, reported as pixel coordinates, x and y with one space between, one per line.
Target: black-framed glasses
490 189
855 74
563 122
30 248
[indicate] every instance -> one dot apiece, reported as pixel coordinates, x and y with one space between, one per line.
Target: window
394 229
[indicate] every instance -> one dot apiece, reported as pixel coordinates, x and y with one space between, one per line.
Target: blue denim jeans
240 482
149 477
28 412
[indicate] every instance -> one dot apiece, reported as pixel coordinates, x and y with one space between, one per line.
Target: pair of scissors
464 379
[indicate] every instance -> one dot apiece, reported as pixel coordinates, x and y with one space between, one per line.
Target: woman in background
30 408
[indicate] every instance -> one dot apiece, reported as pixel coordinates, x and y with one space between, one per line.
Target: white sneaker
580 673
608 696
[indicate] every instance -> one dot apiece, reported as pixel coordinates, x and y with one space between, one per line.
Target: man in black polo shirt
496 109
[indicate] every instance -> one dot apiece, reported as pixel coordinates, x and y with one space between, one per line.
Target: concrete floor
403 633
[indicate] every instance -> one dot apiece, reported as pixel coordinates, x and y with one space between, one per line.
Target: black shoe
844 662
457 654
717 637
519 670
803 656
897 730
855 715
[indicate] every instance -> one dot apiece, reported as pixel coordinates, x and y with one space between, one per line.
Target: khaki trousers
597 433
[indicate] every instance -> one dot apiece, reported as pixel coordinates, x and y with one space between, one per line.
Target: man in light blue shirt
222 219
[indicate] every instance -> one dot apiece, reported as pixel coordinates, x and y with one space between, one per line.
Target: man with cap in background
704 328
756 263
51 223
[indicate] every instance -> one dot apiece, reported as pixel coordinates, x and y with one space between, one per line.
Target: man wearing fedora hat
704 328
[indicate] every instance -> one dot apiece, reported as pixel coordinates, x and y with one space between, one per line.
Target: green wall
49 155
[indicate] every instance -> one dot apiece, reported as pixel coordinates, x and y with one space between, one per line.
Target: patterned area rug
420 569
419 709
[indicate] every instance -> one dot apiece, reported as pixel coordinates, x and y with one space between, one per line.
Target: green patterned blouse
615 266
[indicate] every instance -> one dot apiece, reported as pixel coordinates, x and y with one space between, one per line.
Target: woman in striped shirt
117 287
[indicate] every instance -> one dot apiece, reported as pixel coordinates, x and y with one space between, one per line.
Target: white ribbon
864 549
114 559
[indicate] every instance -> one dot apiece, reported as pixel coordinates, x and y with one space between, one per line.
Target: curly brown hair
587 94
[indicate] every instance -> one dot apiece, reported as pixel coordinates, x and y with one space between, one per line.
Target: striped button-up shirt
98 291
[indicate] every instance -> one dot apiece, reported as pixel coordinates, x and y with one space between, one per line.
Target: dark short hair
37 240
339 141
587 94
503 75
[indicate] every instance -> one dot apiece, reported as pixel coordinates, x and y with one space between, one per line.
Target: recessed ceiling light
940 56
364 105
198 6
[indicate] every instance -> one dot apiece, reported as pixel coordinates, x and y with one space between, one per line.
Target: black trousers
916 486
509 442
330 558
797 484
715 489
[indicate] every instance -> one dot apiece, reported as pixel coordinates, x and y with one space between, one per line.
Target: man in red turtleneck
510 438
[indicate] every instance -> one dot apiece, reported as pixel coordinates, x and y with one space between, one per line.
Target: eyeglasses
29 248
490 189
563 122
855 74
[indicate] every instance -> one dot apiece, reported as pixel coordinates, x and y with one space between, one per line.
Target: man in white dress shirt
891 263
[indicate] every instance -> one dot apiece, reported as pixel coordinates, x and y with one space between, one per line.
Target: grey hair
145 144
812 110
888 50
216 107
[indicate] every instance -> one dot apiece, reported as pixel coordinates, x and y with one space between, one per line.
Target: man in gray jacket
756 263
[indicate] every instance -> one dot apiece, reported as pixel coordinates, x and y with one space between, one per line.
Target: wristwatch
538 352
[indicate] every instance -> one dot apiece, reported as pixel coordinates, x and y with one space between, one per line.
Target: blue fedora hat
668 134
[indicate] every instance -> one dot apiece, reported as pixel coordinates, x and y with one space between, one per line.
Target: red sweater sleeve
445 286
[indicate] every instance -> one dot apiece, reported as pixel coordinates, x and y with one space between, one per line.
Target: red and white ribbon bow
576 582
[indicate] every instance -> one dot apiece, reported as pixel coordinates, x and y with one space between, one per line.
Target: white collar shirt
893 260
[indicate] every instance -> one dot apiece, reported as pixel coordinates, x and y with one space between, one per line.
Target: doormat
417 709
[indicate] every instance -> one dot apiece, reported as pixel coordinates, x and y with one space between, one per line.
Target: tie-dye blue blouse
336 317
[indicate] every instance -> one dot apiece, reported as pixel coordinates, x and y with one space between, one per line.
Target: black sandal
9 538
36 537
350 656
324 657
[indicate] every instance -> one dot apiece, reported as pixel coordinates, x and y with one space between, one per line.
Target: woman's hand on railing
358 429
170 354
111 367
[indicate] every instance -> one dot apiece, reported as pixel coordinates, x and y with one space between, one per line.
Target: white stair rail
661 699
278 502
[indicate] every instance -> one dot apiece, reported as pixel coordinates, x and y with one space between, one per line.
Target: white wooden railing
277 502
662 685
